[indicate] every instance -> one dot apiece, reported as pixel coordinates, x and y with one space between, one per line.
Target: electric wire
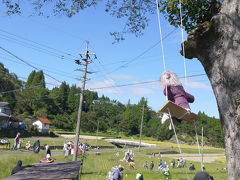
144 82
28 63
60 51
138 56
34 47
64 74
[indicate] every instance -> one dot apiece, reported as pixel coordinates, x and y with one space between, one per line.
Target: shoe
165 117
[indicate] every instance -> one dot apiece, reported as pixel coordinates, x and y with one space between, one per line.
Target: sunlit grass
95 167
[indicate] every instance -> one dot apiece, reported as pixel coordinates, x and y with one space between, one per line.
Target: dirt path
71 136
209 158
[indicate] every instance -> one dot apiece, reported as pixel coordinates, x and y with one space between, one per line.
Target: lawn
95 167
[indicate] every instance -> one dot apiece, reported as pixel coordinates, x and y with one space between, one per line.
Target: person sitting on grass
117 174
19 167
48 159
192 167
28 145
48 151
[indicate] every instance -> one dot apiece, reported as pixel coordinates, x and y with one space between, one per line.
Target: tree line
60 105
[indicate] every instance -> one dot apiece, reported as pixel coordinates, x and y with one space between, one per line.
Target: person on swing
175 92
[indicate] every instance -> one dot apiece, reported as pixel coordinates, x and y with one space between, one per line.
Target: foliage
60 105
136 13
193 12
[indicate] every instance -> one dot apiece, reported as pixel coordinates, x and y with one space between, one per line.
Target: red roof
44 120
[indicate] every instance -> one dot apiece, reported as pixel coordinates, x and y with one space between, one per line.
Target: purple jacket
178 95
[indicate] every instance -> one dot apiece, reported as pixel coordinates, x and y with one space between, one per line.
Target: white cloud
197 85
138 91
119 76
106 86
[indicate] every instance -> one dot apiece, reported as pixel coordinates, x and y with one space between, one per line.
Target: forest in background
32 98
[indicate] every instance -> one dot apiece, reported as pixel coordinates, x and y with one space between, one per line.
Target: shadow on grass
88 173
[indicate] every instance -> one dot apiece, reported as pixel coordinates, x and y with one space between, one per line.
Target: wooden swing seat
178 112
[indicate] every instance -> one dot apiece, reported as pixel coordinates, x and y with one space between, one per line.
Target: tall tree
73 98
215 44
30 78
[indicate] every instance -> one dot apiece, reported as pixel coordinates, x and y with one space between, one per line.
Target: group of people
129 156
181 163
68 148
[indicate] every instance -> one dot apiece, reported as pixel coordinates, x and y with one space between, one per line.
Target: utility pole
97 133
140 138
86 61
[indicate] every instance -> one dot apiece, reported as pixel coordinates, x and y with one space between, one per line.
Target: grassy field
95 167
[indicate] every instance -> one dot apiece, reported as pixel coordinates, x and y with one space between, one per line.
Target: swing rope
183 47
195 127
161 39
164 64
160 32
177 140
185 73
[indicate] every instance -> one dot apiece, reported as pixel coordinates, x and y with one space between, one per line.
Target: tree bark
216 44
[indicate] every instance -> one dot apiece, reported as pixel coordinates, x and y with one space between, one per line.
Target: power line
144 82
20 89
34 47
138 56
28 63
60 51
65 74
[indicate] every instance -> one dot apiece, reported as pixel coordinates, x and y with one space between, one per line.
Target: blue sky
64 38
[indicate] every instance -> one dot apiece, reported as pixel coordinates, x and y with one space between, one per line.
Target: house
6 118
43 124
5 114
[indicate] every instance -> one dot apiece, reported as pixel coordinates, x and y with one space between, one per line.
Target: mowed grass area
96 167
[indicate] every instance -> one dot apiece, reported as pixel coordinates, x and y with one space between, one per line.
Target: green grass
96 167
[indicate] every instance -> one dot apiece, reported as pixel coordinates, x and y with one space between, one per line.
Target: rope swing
164 65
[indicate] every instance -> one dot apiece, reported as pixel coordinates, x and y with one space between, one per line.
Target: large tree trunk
216 44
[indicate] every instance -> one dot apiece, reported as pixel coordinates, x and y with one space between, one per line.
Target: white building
43 124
